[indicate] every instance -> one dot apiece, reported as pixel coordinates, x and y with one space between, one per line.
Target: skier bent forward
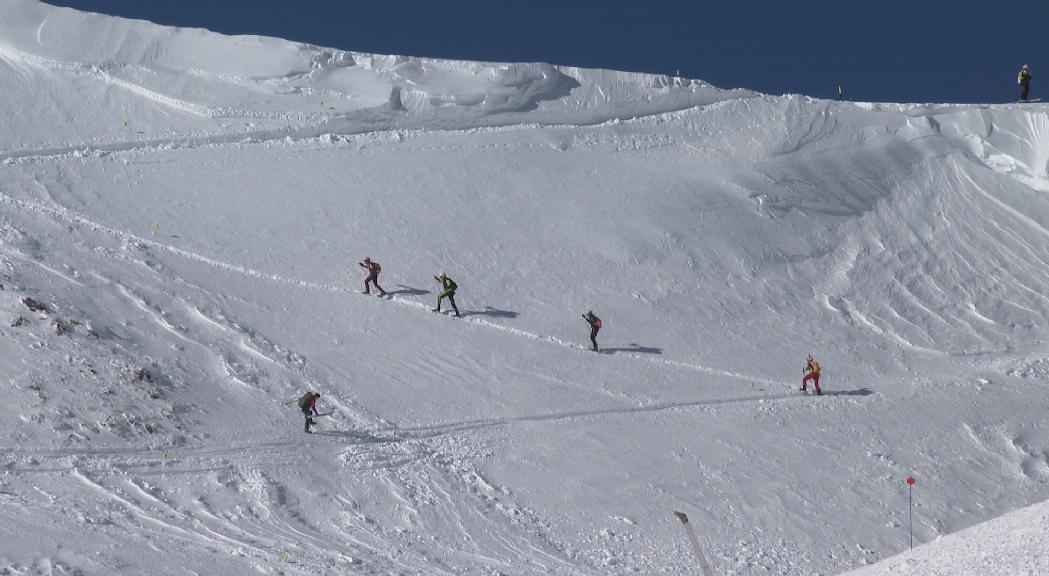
595 326
308 404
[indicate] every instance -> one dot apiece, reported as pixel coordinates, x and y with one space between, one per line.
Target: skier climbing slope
308 405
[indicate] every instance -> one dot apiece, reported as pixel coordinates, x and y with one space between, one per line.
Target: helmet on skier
810 356
367 258
1026 66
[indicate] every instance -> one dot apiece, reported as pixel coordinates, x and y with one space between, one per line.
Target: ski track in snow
72 217
345 137
204 527
264 534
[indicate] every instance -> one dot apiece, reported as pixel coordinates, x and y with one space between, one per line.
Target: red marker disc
911 480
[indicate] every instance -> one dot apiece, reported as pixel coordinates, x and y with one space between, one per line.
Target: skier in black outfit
595 326
308 404
1024 80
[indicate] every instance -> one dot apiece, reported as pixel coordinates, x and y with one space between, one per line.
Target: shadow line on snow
857 392
407 291
493 312
634 349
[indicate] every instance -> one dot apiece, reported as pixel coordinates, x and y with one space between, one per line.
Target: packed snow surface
1013 544
185 213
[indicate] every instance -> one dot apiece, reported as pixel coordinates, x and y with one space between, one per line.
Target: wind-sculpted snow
181 220
151 82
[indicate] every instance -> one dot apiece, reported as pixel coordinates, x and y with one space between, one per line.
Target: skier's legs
1024 88
439 298
816 382
805 380
451 300
367 288
593 336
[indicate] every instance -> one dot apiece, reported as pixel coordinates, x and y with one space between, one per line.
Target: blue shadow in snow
491 312
407 291
858 392
633 348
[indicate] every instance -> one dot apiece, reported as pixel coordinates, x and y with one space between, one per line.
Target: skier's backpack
306 401
450 284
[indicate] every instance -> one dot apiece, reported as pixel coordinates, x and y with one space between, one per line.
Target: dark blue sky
883 50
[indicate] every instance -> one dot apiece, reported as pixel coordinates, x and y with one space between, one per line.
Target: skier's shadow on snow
633 348
492 313
857 392
407 291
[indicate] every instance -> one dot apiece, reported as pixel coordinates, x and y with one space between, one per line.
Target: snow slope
1013 544
191 208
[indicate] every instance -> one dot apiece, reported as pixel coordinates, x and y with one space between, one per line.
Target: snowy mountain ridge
181 218
248 84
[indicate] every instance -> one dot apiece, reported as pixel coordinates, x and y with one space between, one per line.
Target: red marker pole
910 508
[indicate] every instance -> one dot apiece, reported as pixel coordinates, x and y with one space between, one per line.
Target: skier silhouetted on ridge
1024 80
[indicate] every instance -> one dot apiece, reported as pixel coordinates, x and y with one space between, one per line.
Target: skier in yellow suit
812 371
448 288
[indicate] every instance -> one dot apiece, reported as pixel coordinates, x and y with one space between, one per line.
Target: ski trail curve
550 339
72 217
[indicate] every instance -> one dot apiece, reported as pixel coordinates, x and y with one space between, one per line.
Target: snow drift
191 208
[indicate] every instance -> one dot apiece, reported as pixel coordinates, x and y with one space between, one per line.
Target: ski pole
695 543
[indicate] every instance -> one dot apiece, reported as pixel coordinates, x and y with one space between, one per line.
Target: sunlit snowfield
192 208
